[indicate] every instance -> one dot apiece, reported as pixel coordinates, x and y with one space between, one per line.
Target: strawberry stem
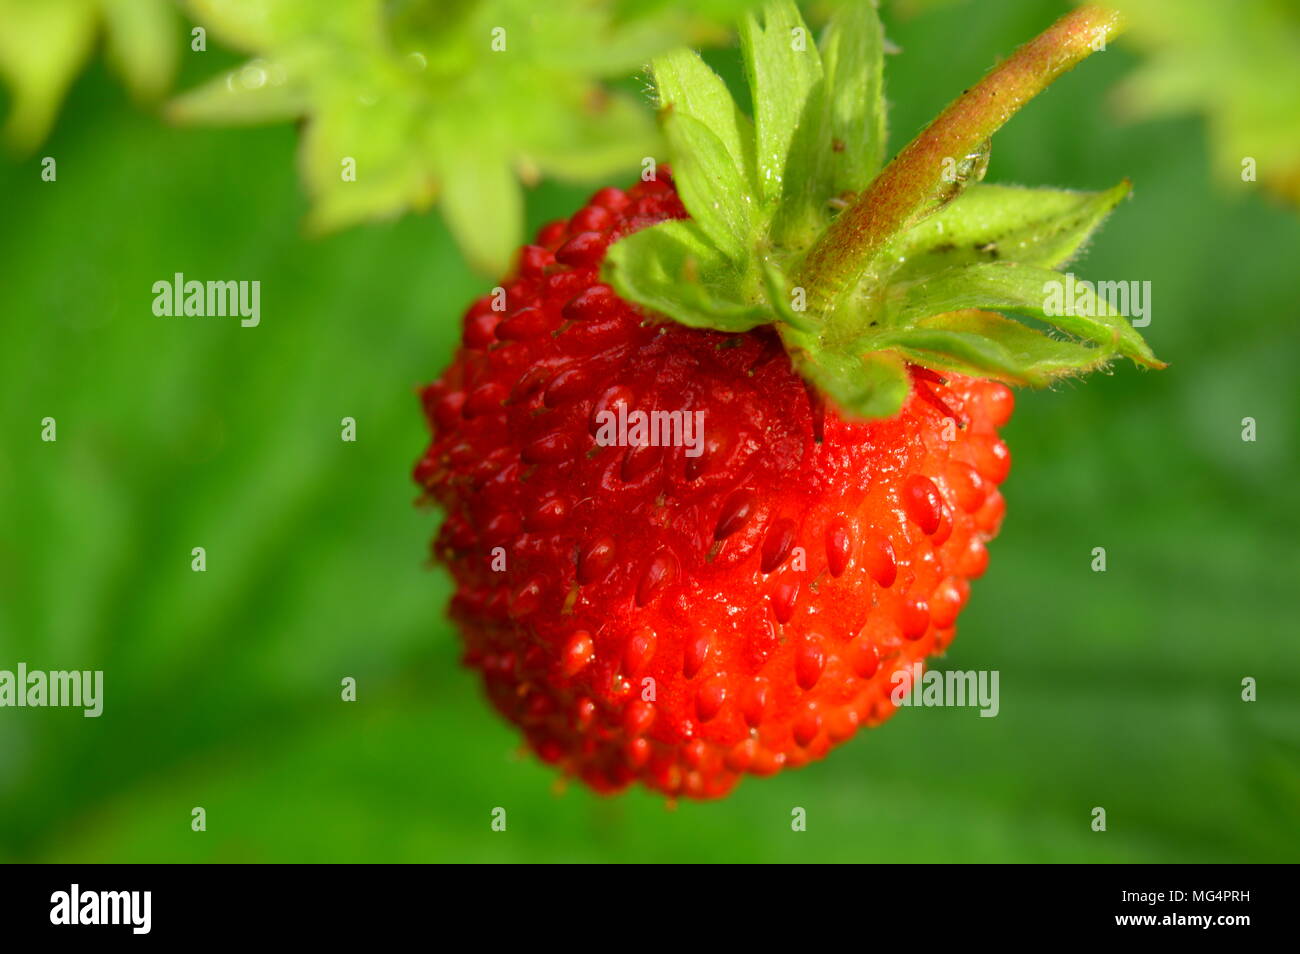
909 184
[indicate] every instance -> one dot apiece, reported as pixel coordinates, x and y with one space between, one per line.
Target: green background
1118 689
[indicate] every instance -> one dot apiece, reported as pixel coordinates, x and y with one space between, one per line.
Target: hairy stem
904 188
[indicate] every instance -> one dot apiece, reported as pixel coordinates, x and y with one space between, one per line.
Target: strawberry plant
682 616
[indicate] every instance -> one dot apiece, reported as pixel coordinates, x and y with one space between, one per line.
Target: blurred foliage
1119 689
43 45
1238 64
405 103
454 101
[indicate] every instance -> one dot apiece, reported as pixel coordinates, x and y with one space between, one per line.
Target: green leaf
784 67
674 269
44 44
990 223
254 26
359 163
1020 289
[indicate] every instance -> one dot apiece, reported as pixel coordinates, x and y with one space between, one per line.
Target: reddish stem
902 190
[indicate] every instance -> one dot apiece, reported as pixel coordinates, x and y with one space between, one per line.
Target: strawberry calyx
863 270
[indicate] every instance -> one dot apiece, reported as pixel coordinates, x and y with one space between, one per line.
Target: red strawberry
645 613
769 588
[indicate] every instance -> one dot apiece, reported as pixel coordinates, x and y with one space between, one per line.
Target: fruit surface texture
687 614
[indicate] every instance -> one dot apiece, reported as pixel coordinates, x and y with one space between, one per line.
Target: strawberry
685 619
734 588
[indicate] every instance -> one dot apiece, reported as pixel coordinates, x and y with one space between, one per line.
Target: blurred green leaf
1238 64
43 46
142 47
457 103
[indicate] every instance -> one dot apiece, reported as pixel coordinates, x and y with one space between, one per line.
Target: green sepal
991 223
581 142
240 97
709 183
673 269
1238 64
854 63
779 298
685 86
989 345
753 187
482 203
1019 289
934 290
874 384
838 141
783 67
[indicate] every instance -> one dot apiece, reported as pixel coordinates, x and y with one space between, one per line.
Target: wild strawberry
682 606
